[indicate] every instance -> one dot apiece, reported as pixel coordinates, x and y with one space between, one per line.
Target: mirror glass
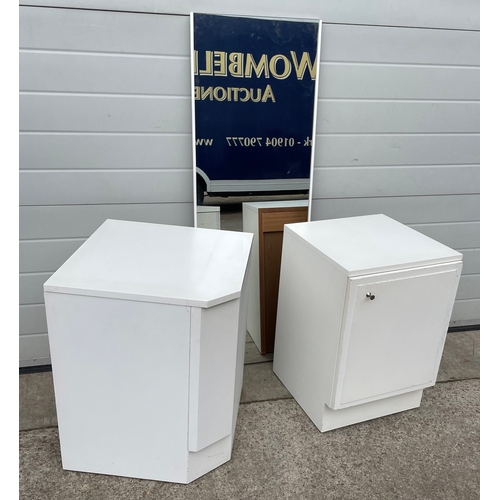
254 99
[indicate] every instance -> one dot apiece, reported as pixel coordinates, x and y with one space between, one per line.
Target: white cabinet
147 336
363 311
208 217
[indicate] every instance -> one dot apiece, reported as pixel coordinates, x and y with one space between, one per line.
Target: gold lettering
220 62
262 66
209 70
220 94
300 68
239 65
258 97
268 94
209 92
236 64
287 67
233 94
247 97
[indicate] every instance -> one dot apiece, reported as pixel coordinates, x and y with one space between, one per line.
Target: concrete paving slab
460 357
430 453
37 405
261 384
253 355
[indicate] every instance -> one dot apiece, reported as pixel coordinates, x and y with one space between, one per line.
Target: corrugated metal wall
105 122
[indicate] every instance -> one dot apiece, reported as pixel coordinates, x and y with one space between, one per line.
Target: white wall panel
104 73
348 182
76 221
469 286
104 113
46 255
463 311
383 45
100 31
398 149
105 151
385 117
31 287
464 235
458 14
64 187
471 261
34 349
381 81
32 319
405 209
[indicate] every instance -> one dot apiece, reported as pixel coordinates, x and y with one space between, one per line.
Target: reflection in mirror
254 99
227 212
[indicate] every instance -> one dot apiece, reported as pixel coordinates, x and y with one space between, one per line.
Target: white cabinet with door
363 311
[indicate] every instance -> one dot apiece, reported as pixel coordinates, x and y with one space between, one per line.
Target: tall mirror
254 91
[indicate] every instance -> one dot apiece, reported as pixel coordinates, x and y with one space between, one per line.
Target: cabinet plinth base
333 419
191 465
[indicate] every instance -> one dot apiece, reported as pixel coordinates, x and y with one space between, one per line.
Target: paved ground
429 453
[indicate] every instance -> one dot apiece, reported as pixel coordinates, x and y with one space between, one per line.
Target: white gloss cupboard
363 311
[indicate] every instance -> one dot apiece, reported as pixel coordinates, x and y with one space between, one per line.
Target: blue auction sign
254 95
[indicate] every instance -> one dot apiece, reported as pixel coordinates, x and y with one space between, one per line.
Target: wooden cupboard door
271 227
394 333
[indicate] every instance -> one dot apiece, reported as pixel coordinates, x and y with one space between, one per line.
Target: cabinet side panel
212 374
251 225
310 310
121 383
240 352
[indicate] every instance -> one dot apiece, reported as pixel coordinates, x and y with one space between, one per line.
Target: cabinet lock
370 296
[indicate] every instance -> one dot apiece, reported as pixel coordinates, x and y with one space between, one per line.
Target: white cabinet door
394 330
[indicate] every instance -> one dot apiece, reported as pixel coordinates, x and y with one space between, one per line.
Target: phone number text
262 141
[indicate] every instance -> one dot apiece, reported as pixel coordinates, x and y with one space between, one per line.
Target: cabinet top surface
156 263
256 205
370 244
